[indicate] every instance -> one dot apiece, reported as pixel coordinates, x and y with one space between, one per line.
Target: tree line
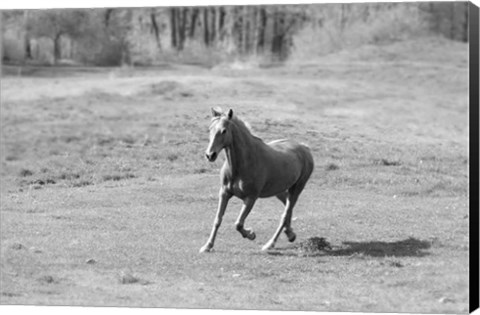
113 36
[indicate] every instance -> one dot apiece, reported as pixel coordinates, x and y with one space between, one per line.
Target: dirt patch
386 162
128 278
331 167
17 246
47 279
314 245
25 172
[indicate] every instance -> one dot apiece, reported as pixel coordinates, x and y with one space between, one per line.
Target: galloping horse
254 169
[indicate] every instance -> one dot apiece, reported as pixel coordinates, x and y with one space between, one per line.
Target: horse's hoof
292 237
248 233
267 247
205 249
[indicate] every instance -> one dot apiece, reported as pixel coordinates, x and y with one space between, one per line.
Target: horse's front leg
247 206
224 197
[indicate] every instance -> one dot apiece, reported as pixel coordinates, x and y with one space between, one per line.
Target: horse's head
220 133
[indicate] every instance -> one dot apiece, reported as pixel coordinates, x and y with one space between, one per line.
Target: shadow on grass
410 247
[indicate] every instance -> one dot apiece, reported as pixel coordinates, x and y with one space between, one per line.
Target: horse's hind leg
293 193
286 217
288 230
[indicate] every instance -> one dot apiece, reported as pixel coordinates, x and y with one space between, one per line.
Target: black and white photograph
260 156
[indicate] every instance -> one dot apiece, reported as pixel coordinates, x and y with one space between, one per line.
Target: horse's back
292 156
285 146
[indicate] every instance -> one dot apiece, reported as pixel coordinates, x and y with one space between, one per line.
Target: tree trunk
465 25
228 26
343 16
193 22
206 32
254 30
182 27
261 30
245 29
57 53
213 18
221 22
28 48
436 18
156 30
108 14
274 32
281 35
26 39
278 36
1 43
452 21
173 27
366 12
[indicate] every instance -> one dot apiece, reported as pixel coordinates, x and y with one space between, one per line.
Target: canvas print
309 157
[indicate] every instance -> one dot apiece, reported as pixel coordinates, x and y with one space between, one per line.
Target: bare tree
182 14
57 23
262 27
118 34
452 20
173 26
213 24
193 22
206 31
465 22
155 27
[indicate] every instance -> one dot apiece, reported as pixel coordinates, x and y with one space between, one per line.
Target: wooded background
216 34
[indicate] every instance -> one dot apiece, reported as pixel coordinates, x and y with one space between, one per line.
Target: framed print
262 156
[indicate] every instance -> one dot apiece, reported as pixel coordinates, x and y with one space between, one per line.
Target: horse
254 169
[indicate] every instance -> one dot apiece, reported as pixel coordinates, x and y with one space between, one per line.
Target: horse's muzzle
211 156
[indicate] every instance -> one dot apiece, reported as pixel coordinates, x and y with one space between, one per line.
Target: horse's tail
308 165
309 161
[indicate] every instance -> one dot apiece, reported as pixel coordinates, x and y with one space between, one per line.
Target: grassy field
106 197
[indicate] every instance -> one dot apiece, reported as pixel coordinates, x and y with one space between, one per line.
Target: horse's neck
241 153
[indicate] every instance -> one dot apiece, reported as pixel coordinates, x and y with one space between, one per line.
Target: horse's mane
238 122
243 124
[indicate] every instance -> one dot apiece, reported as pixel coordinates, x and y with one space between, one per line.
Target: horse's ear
216 112
230 113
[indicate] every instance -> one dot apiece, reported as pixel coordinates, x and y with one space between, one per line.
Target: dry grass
106 197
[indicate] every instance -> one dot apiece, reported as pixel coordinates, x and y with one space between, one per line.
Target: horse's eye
223 131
